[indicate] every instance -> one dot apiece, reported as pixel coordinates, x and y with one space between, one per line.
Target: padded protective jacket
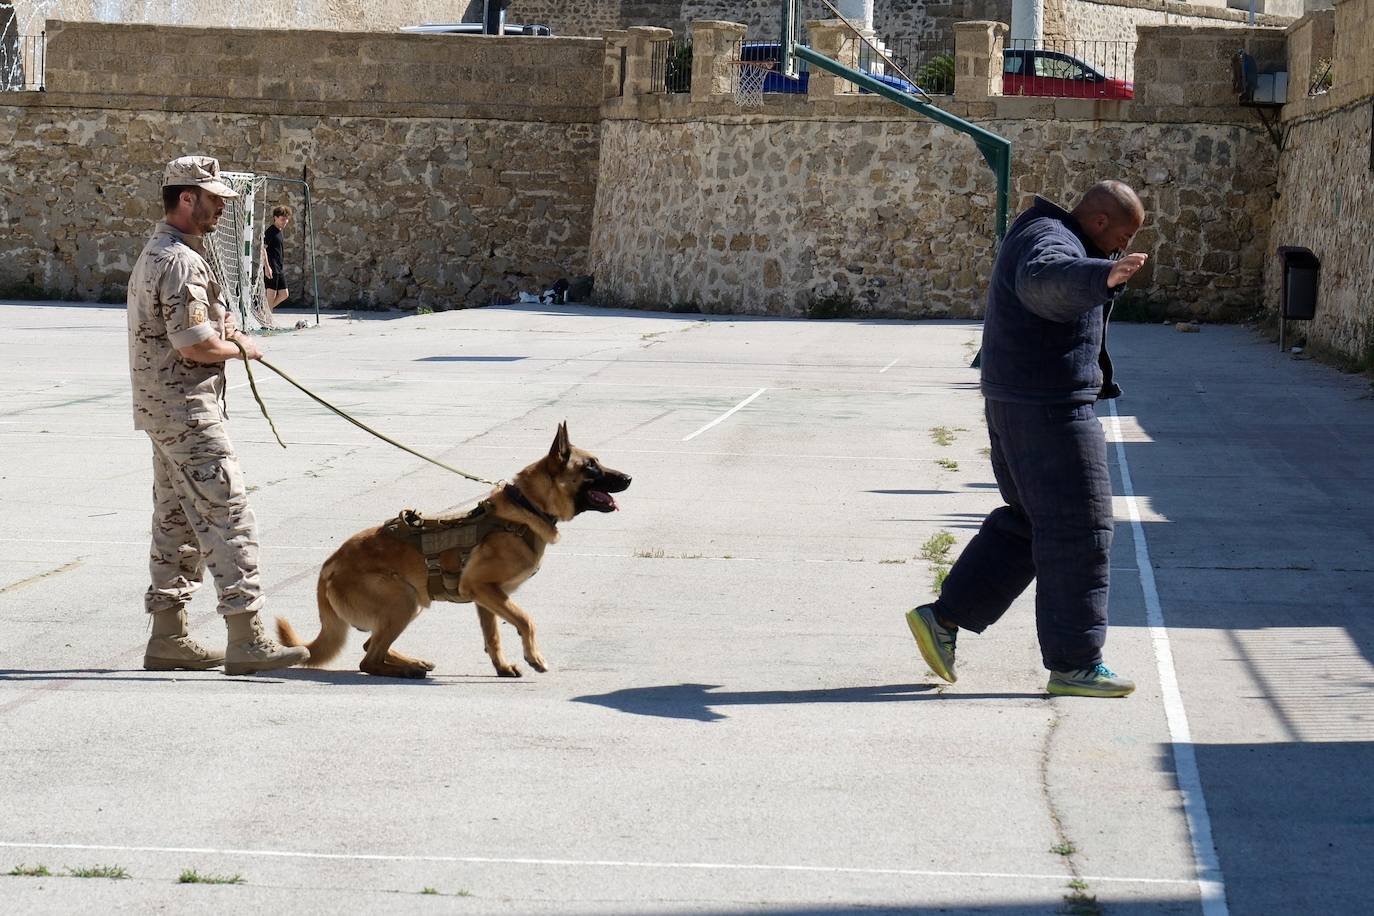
1044 337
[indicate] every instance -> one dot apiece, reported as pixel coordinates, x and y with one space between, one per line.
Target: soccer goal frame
235 247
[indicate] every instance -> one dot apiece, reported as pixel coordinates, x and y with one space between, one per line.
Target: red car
1032 71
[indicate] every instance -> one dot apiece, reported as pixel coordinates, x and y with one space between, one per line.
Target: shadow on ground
697 701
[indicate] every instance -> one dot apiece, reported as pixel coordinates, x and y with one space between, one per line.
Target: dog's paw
508 671
537 663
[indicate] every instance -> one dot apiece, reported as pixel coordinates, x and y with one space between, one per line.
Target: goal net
235 250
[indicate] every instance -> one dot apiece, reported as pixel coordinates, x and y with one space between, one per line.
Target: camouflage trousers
200 518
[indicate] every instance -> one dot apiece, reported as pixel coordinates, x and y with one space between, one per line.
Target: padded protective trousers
1050 462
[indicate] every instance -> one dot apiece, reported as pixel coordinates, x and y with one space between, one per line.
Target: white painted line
888 366
260 380
1211 884
143 543
590 863
724 415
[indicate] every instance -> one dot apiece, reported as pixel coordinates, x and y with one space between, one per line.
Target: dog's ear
561 450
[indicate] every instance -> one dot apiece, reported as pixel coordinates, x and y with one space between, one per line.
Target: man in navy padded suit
1044 366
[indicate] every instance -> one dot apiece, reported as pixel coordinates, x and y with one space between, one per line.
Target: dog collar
515 496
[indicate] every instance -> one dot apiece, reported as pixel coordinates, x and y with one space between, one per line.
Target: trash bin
1301 270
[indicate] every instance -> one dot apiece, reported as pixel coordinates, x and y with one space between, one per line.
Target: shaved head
1111 214
1115 199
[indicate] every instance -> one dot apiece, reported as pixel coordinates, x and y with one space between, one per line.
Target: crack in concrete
31 580
1079 902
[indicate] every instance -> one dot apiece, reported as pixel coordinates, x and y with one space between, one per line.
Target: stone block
978 59
714 46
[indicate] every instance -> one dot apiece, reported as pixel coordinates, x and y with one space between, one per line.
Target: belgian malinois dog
380 579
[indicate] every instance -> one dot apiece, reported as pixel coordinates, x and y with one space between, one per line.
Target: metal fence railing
1321 77
23 60
930 64
670 61
1069 68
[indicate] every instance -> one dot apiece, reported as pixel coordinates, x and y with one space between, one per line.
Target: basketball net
750 76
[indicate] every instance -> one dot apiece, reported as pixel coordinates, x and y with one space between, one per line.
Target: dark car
776 81
1035 71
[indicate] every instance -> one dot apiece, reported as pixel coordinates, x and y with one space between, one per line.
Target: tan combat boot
171 649
251 650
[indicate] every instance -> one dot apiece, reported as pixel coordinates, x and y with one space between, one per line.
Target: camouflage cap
199 172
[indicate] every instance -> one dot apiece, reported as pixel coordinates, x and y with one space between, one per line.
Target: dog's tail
333 631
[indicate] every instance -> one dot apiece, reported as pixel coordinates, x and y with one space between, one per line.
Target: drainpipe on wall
1028 21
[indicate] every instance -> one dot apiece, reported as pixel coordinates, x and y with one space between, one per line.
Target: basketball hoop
749 80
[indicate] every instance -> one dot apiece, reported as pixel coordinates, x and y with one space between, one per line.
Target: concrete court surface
736 719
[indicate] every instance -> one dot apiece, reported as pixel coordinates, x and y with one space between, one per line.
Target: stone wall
1326 179
465 173
505 77
568 17
769 214
1117 20
933 20
333 15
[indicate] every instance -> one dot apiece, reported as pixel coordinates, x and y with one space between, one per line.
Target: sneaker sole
172 664
930 653
1067 690
258 667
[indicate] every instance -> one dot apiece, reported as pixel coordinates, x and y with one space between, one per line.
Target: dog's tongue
602 498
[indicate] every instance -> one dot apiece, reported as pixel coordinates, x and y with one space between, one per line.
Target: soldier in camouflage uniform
180 335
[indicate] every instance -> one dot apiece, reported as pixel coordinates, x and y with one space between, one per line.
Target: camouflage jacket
174 301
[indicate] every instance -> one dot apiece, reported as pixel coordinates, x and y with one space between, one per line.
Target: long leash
252 383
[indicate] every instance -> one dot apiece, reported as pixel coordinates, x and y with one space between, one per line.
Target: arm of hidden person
1055 281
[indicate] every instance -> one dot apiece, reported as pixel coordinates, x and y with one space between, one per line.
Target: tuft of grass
1078 884
464 893
1079 903
881 562
1137 309
30 871
942 435
191 876
424 310
99 871
1063 849
941 573
835 305
429 890
657 553
948 464
986 453
937 546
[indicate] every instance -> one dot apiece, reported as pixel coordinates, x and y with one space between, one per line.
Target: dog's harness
461 533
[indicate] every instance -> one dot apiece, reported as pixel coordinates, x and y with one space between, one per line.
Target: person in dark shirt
274 271
1044 366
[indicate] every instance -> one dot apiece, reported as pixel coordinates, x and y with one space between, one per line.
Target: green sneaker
1098 681
935 642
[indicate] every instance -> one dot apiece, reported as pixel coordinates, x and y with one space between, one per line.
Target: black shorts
277 280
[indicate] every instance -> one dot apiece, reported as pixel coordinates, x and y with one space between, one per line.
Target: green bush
936 76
